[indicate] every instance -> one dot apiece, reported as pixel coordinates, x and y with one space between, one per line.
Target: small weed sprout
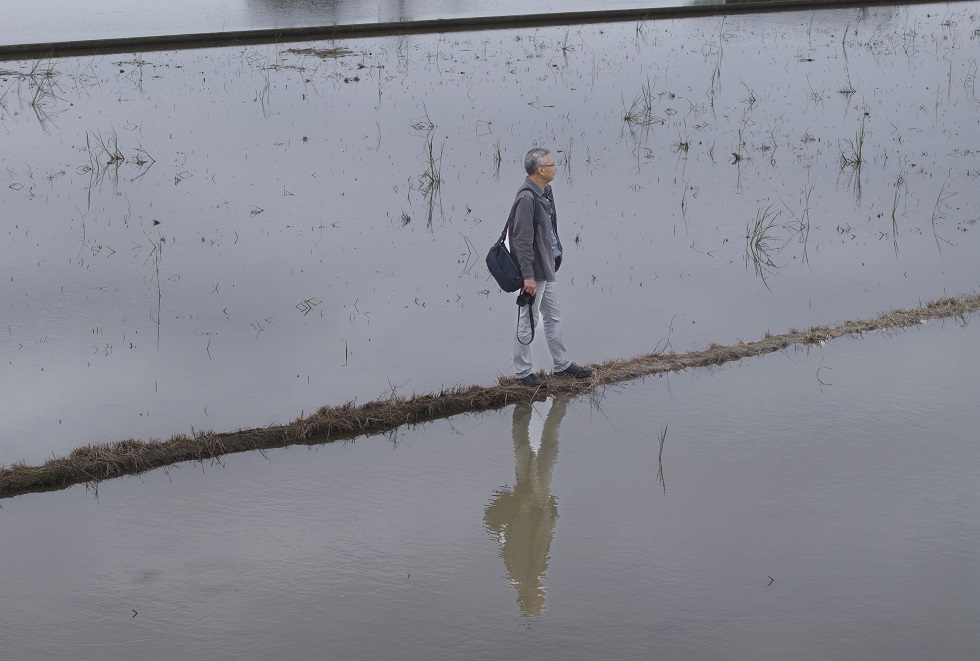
938 212
42 83
737 155
424 123
969 81
109 149
431 179
750 99
640 113
899 183
567 157
143 158
760 239
715 85
683 143
801 224
43 78
851 154
564 46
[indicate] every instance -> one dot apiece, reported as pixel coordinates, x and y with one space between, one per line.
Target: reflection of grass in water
424 123
431 179
564 46
969 80
715 85
750 99
660 459
898 188
567 158
43 77
851 155
760 239
105 157
109 148
937 212
638 119
802 222
42 82
737 155
155 254
640 112
143 160
684 206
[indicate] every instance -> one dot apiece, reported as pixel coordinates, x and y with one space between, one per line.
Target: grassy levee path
94 463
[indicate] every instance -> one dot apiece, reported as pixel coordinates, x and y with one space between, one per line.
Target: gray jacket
534 250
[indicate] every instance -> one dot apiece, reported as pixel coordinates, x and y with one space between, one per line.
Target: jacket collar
537 189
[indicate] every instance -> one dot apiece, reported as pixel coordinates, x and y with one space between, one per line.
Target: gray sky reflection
66 20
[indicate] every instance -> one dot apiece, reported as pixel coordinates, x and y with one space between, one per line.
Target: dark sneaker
533 381
577 371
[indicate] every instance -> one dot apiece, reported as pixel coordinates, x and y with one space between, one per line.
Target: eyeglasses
547 165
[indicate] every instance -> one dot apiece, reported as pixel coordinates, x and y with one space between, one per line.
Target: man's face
546 170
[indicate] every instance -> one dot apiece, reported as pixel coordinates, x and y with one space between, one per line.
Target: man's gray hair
533 159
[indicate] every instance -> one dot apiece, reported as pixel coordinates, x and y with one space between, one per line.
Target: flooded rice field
228 238
807 505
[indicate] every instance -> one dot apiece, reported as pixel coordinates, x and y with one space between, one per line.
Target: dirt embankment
93 463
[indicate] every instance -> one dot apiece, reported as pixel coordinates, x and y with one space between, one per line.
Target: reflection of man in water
523 517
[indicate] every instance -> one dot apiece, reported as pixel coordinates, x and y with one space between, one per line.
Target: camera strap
530 316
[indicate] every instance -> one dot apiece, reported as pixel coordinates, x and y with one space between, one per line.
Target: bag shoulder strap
534 217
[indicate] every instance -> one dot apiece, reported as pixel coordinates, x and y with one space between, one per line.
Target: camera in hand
524 298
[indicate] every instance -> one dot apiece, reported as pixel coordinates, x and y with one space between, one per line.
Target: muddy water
805 505
226 238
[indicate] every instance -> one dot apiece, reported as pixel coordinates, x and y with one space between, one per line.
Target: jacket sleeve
522 233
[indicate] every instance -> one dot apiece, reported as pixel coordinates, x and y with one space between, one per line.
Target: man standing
538 252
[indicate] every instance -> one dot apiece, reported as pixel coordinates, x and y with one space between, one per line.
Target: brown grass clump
322 53
93 463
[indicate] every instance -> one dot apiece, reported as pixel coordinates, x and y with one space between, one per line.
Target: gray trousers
547 313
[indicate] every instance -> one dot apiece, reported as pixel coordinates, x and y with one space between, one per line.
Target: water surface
227 238
812 505
65 20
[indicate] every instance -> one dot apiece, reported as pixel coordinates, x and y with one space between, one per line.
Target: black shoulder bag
507 272
502 264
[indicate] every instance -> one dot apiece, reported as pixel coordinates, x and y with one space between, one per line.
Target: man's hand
530 286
